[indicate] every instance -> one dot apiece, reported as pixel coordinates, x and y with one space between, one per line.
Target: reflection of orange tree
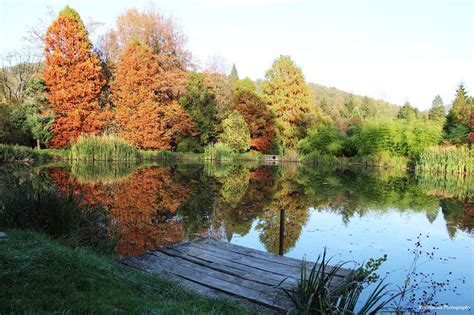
289 195
141 208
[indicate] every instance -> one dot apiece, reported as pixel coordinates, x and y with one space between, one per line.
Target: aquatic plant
102 148
446 160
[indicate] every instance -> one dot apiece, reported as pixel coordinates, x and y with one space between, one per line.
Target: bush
219 152
189 145
102 148
10 153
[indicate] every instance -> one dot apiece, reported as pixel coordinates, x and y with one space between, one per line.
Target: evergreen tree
200 103
289 97
408 112
458 119
234 75
73 79
437 111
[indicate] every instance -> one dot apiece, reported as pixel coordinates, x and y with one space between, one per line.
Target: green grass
102 148
39 275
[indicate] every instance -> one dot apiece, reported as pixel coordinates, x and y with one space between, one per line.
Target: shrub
219 152
236 133
190 144
102 148
17 153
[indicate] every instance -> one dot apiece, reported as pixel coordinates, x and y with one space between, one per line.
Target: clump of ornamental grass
102 148
446 160
321 292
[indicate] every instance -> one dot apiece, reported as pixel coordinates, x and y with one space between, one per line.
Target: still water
424 224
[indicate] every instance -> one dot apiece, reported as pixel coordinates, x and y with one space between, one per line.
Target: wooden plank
342 272
229 267
164 264
249 261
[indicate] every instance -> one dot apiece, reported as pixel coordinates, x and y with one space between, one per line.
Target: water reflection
157 205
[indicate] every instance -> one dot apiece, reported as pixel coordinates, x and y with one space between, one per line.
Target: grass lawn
38 274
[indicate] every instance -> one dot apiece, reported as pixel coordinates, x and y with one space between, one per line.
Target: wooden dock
217 268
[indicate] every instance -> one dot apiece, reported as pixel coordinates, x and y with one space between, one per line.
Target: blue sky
397 50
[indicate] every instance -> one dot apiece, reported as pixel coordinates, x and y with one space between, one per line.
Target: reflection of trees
458 216
355 193
141 207
237 218
289 195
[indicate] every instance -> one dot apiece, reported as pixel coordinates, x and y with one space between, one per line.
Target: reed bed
453 160
102 148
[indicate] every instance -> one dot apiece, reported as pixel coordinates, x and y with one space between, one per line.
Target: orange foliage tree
73 79
256 114
164 39
142 117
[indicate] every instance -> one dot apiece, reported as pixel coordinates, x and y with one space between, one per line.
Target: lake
424 224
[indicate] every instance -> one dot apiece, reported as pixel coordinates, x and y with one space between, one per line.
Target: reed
446 186
102 148
450 160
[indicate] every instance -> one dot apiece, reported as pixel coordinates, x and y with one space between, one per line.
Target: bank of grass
449 160
41 275
221 152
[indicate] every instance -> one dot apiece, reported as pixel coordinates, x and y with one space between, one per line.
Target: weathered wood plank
219 269
229 267
263 295
342 272
249 261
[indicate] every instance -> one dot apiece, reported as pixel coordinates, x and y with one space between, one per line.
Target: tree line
139 83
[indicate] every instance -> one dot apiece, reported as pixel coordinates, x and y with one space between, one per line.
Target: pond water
424 224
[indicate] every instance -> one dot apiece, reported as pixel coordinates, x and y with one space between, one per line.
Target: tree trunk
38 146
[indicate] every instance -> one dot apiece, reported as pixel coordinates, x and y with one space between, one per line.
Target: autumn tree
72 75
437 111
255 113
164 39
236 133
287 94
200 103
221 86
141 117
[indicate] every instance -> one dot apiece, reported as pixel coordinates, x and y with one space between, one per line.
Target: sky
397 50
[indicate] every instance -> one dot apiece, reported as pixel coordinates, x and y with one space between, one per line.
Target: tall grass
446 160
26 206
102 148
